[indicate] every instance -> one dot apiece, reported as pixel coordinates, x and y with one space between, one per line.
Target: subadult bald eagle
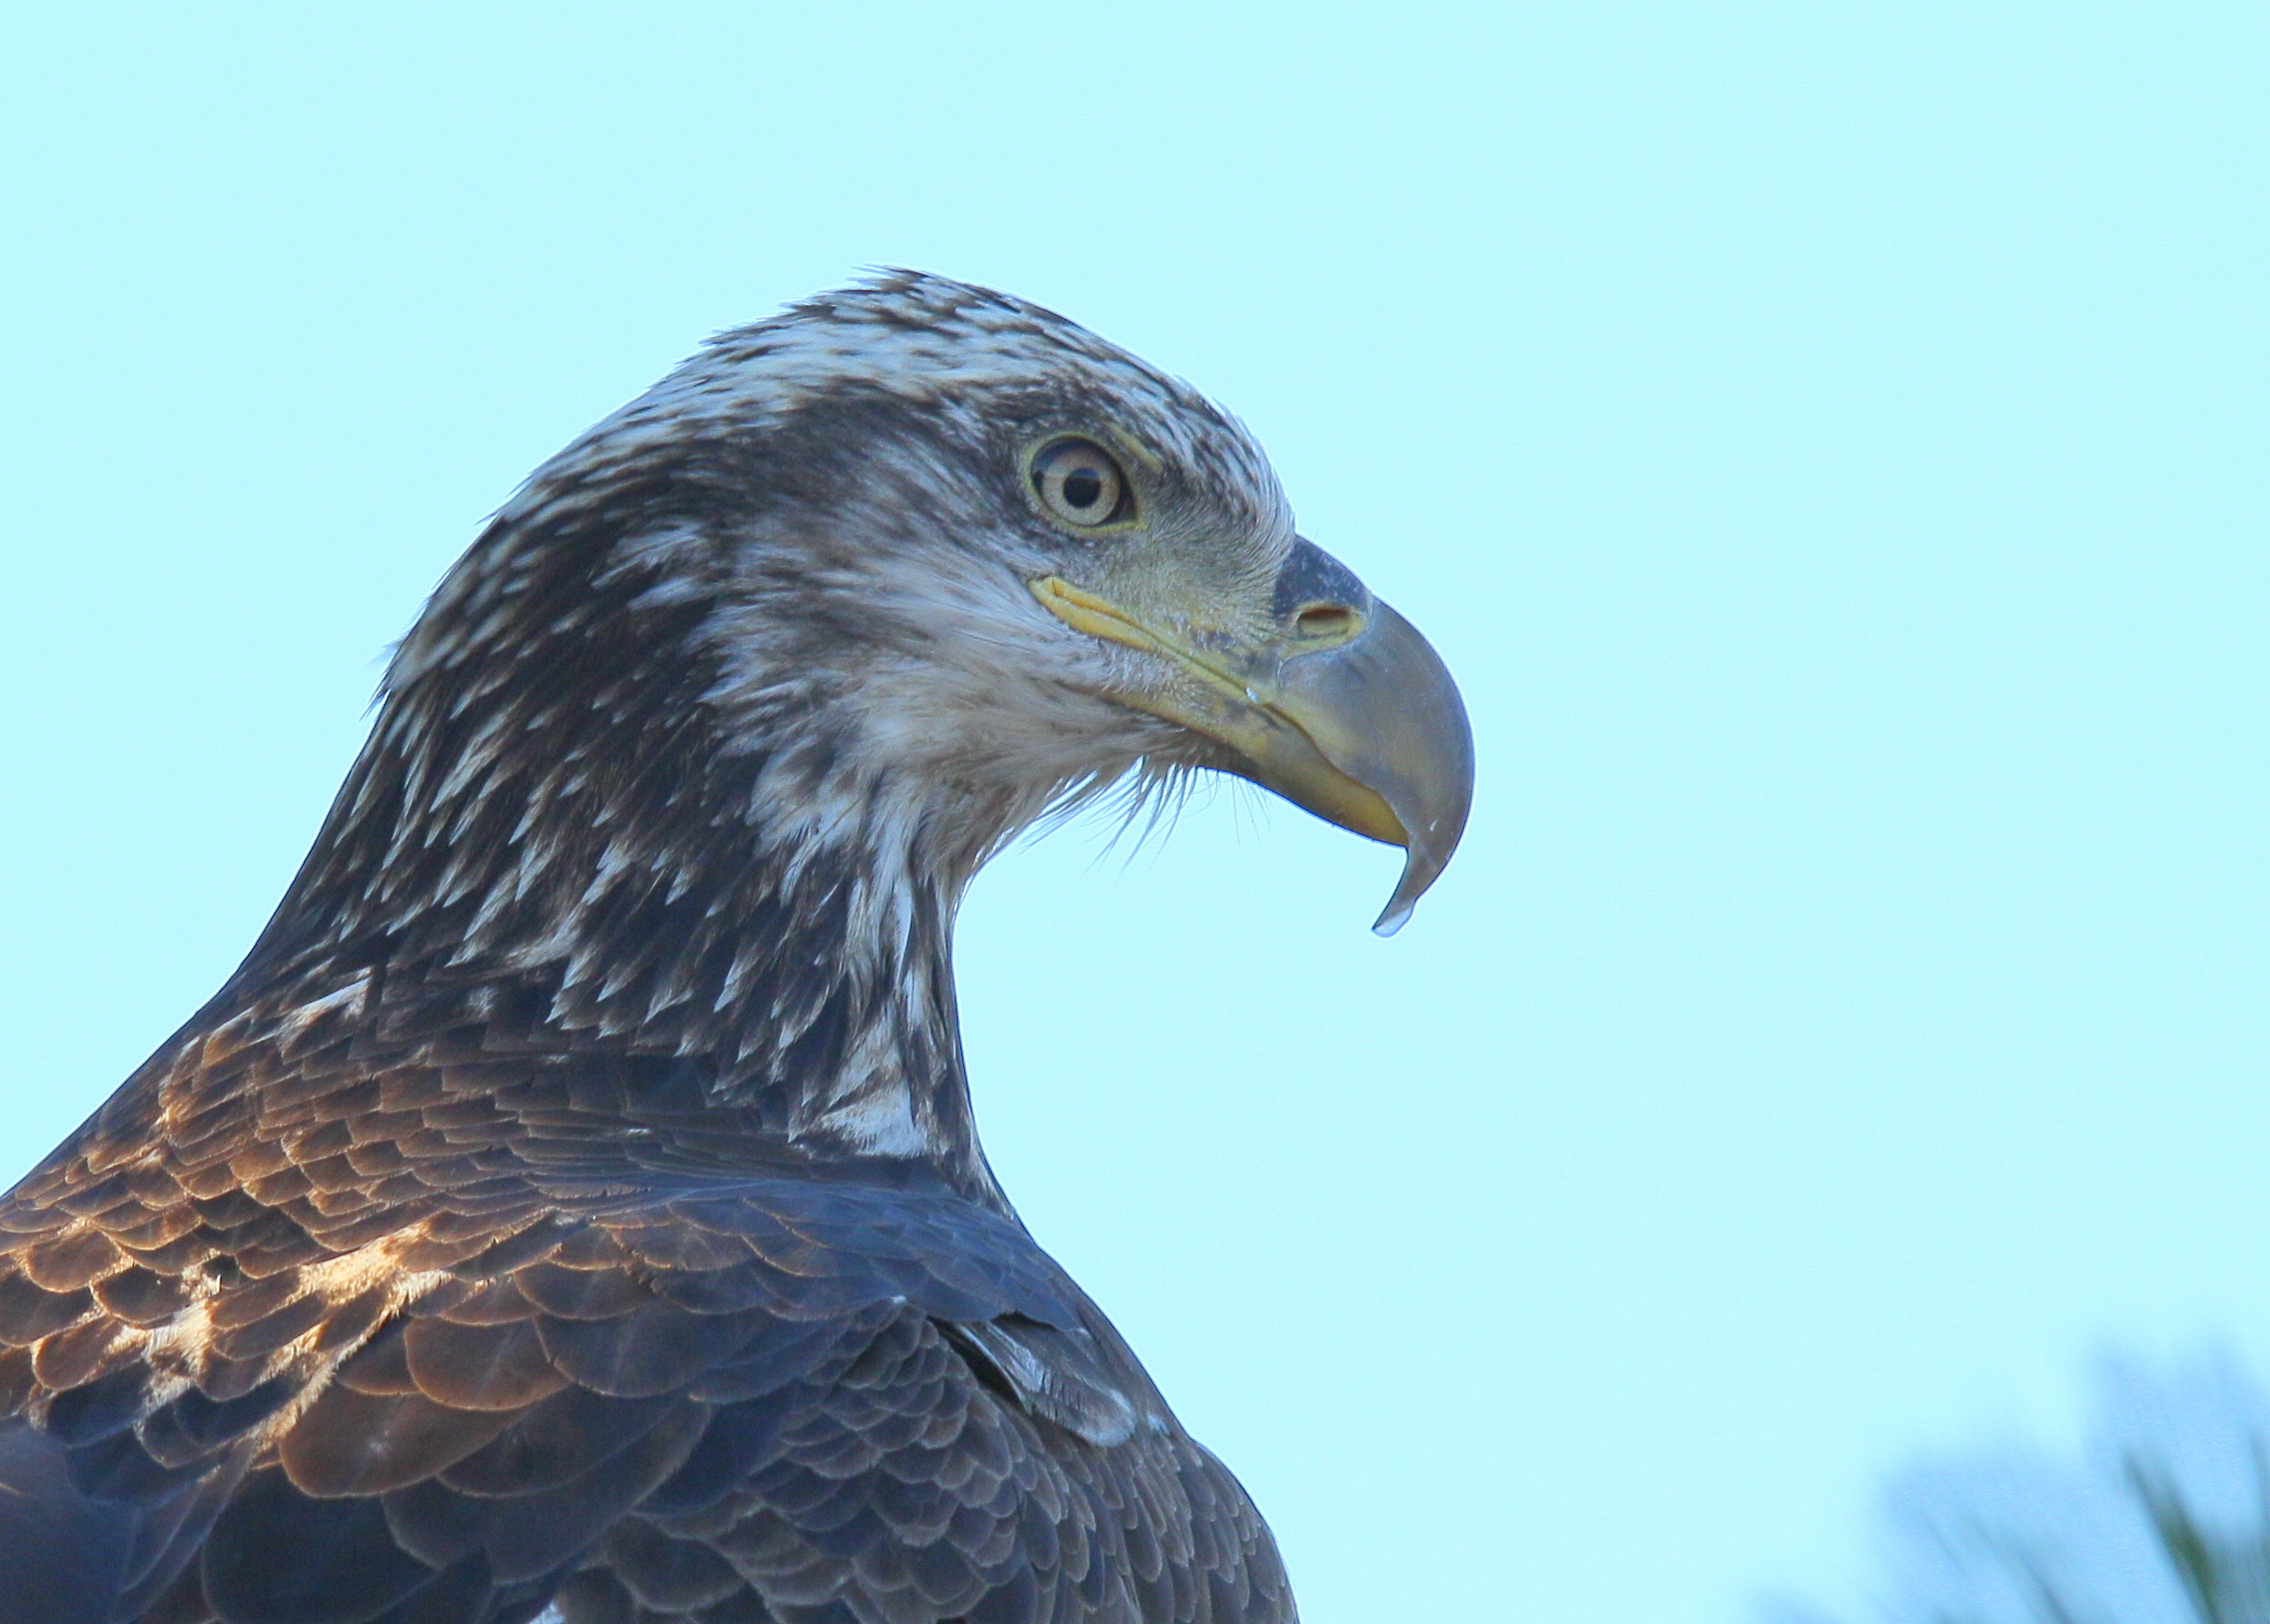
573 1199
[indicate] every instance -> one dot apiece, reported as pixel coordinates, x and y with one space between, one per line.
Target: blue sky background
1826 441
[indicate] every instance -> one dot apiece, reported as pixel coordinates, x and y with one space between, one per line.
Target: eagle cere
573 1201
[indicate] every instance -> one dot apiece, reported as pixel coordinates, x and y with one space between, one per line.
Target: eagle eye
1079 483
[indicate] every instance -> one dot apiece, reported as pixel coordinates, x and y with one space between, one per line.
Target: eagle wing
418 1342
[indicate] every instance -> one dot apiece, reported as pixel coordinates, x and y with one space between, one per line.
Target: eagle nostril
1327 620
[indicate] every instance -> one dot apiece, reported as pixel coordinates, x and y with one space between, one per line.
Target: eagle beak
1340 706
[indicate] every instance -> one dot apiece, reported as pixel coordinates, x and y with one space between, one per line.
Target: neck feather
570 855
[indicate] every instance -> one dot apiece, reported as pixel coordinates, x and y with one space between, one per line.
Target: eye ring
1079 483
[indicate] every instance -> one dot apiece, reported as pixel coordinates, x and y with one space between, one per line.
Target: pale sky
1825 441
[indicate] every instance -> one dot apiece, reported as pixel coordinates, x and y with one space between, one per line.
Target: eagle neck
554 875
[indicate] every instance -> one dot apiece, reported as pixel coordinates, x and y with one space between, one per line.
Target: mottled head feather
939 347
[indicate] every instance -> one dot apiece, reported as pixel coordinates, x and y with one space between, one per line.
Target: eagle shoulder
334 1343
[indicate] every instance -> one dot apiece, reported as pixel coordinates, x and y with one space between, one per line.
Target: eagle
572 1206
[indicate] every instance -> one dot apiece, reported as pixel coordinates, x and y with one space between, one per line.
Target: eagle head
751 678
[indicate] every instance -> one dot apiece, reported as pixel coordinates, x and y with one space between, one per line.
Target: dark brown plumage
573 1201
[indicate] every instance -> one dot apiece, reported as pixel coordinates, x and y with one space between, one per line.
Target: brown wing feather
295 1332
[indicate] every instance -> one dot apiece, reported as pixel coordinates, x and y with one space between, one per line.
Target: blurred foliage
2165 1519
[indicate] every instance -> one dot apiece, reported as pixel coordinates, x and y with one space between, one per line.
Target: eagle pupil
1083 487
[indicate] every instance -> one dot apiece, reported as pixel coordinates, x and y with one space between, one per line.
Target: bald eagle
572 1205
